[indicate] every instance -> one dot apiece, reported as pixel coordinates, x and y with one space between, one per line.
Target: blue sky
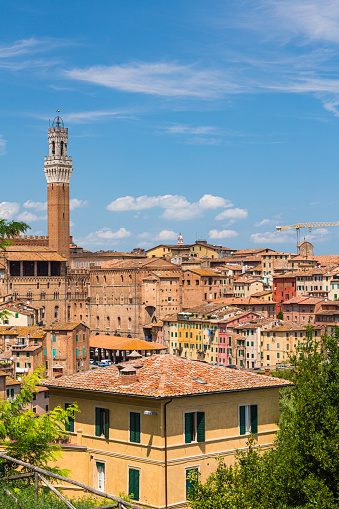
215 119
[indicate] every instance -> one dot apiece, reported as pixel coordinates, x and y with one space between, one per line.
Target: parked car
231 366
103 364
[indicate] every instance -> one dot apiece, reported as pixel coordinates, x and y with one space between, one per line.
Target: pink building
231 348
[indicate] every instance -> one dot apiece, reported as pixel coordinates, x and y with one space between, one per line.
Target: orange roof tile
163 376
119 343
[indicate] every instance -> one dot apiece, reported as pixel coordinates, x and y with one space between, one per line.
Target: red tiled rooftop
163 376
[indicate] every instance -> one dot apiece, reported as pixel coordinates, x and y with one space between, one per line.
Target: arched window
56 295
108 322
129 323
119 322
43 312
53 147
56 312
29 294
98 322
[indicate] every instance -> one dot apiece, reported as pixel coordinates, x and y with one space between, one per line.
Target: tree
280 315
302 469
10 229
30 437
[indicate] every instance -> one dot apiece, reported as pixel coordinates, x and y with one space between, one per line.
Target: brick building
127 294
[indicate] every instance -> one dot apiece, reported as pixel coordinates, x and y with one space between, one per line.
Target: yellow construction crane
297 227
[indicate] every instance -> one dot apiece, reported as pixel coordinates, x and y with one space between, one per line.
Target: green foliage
280 315
47 499
302 469
10 229
30 437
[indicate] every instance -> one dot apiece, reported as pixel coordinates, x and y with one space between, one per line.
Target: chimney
128 375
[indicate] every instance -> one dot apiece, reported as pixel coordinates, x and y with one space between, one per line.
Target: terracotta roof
162 376
34 253
119 343
203 272
11 381
261 294
283 325
135 263
64 326
304 299
33 331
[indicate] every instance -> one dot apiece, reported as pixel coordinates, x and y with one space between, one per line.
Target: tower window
53 147
61 148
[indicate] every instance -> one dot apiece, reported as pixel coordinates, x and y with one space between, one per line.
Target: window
100 476
69 426
134 427
194 427
102 422
248 419
134 482
189 483
56 312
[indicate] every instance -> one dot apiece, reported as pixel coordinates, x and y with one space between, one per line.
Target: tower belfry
58 170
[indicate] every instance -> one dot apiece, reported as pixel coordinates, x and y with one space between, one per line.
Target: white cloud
2 145
147 202
232 214
108 234
83 117
273 237
74 203
222 234
265 222
29 217
186 129
159 78
175 206
310 19
37 205
8 209
166 235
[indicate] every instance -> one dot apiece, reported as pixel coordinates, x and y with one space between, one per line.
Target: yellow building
200 249
282 339
145 424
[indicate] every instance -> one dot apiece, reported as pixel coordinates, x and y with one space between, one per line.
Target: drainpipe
165 428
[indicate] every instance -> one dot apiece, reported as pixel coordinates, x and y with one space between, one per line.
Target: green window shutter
12 393
83 337
16 315
133 483
70 425
200 426
76 351
242 418
44 351
54 352
98 422
188 428
134 427
83 351
254 418
106 424
189 484
76 337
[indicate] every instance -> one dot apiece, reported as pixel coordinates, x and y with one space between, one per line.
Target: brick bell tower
58 170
